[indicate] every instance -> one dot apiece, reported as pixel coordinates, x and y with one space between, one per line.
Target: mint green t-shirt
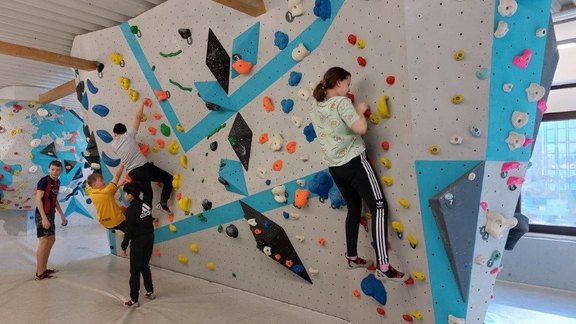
332 120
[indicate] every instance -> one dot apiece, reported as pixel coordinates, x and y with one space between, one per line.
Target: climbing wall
32 136
435 67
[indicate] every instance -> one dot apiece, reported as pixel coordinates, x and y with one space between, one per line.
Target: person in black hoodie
139 232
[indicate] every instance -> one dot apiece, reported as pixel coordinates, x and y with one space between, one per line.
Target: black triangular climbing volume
218 60
269 235
456 211
240 138
49 150
69 165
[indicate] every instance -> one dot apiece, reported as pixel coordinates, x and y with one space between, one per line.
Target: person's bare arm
117 176
40 205
62 217
138 116
361 125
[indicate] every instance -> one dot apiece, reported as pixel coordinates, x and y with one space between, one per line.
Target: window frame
552 229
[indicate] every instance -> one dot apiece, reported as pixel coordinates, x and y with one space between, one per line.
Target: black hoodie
138 221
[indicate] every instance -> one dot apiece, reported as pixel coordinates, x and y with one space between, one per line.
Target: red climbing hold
361 61
350 96
409 281
390 79
407 318
380 311
385 145
352 39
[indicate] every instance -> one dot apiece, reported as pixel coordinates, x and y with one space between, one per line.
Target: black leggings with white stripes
357 181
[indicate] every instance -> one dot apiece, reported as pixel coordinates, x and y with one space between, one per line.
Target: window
549 192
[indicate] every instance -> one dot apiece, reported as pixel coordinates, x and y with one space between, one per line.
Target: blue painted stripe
262 202
311 37
433 176
530 16
247 46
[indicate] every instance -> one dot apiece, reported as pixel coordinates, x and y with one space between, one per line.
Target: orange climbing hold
157 116
152 130
257 231
277 257
291 147
263 138
356 293
148 102
144 148
268 105
289 263
157 253
277 165
161 143
179 196
171 218
301 198
242 67
162 95
322 241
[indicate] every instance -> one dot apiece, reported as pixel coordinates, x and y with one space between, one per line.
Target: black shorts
40 230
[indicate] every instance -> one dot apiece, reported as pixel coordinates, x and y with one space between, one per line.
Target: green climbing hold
170 54
232 140
216 130
153 68
220 228
202 218
233 275
134 29
165 129
180 86
202 181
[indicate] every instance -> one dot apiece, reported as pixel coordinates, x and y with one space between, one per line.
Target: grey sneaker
150 295
391 275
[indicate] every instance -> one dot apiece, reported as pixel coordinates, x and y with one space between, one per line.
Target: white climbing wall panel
413 41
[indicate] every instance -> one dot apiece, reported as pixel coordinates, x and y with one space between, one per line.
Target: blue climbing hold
322 9
104 136
266 224
298 268
268 182
100 110
91 87
374 288
287 105
280 40
310 133
320 184
295 78
88 201
110 161
286 214
85 101
336 199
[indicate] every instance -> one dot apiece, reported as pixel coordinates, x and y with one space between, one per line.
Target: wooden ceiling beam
58 92
46 56
253 8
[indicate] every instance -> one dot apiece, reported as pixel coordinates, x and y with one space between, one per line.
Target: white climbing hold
59 142
303 94
519 119
455 320
541 32
276 142
304 157
507 87
515 140
496 224
279 193
456 140
252 222
300 238
261 172
297 121
502 29
480 260
33 169
35 142
507 8
313 271
471 176
42 112
296 7
300 52
301 182
267 250
535 92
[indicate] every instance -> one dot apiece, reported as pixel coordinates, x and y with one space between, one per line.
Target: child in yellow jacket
110 214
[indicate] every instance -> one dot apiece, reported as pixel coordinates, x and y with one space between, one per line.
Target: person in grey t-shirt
136 164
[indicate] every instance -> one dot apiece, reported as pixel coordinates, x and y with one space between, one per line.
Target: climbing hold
356 293
161 143
374 119
507 8
179 127
507 87
457 98
42 112
321 184
185 204
171 54
501 30
287 105
261 172
412 240
519 119
515 140
418 275
456 140
407 318
535 92
304 157
360 43
136 31
404 203
117 58
475 131
291 147
417 315
541 32
361 61
276 142
182 258
388 180
300 52
172 228
382 105
294 79
380 311
35 142
301 198
459 55
482 74
496 224
386 162
309 132
193 248
33 169
280 40
434 149
109 161
89 84
124 83
184 161
390 79
398 228
211 266
144 148
277 165
173 147
385 145
493 258
297 121
267 103
206 204
303 94
513 182
241 66
186 34
214 146
322 241
455 320
522 60
133 94
100 110
232 230
296 8
263 138
152 130
483 204
542 106
162 95
352 39
322 9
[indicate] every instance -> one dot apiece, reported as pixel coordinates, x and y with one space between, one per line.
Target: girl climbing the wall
340 127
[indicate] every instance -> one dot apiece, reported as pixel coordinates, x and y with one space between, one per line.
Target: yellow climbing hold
419 275
176 181
398 227
382 105
144 118
184 203
133 95
211 266
386 162
182 258
388 180
173 147
193 248
172 228
457 98
124 83
434 149
404 202
116 58
374 119
184 161
417 315
179 127
413 240
155 149
16 172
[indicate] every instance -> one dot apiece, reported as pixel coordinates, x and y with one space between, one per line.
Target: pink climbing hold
484 206
528 141
542 106
513 180
507 166
522 61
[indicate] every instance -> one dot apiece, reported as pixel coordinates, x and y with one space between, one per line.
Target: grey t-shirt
127 149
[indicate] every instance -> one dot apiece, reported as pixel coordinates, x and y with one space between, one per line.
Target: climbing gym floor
92 285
